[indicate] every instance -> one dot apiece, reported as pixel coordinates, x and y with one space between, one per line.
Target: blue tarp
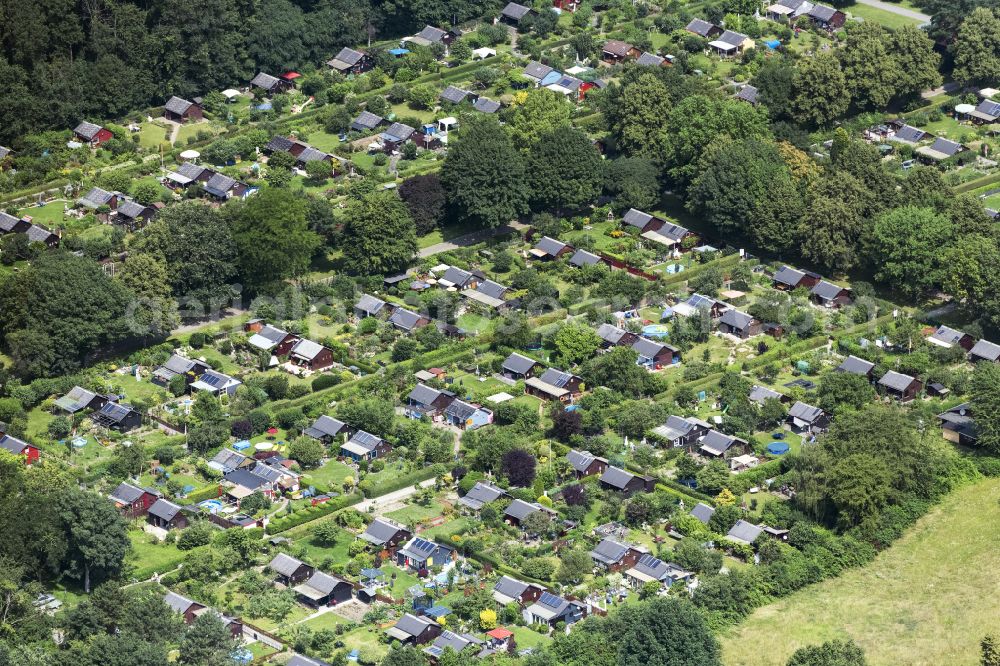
777 448
266 106
372 573
398 52
437 611
772 43
242 445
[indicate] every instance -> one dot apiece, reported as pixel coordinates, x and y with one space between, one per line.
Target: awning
355 448
309 592
555 391
483 298
398 634
178 178
658 238
780 9
639 576
722 46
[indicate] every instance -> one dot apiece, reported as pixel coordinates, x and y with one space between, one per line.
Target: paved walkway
896 9
390 501
470 239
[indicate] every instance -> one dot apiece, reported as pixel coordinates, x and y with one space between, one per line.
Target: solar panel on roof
423 544
550 600
649 561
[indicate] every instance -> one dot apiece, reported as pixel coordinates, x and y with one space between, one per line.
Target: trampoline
655 331
777 448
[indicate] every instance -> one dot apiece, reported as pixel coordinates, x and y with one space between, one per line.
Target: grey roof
986 349
789 276
519 364
520 509
381 531
285 564
486 105
536 70
581 460
325 426
804 412
97 197
761 393
611 333
515 11
636 218
178 105
348 56
647 348
87 130
989 108
177 602
700 27
366 440
716 442
164 509
481 494
280 144
398 132
908 134
268 337
748 93
550 245
456 276
732 38
556 377
226 460
457 642
325 583
366 120
131 209
127 493
310 154
946 147
370 304
826 290
649 59
617 47
460 410
948 335
404 318
115 412
453 95
896 380
675 427
4 152
220 184
609 551
492 289
8 222
424 395
78 398
244 478
432 34
744 531
584 258
822 12
616 477
657 569
856 366
306 349
510 587
736 319
190 170
265 81
413 625
703 512
178 364
569 82
36 233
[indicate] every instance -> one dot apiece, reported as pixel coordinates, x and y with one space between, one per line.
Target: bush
325 381
197 340
198 534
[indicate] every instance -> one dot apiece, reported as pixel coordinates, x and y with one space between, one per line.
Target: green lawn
151 135
49 215
323 141
324 621
331 476
149 558
529 638
888 19
922 602
415 513
189 130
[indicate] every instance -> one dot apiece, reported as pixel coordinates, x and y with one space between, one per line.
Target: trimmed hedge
404 480
312 513
209 492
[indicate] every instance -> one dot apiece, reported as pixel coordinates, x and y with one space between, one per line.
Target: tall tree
564 169
484 175
272 236
985 392
917 60
666 632
207 642
542 111
379 237
908 244
96 536
637 115
819 86
870 68
977 48
58 311
425 198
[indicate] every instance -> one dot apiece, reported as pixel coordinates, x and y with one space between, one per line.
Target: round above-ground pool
655 331
211 504
777 448
79 442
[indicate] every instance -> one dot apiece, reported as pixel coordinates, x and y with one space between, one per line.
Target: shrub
325 381
197 340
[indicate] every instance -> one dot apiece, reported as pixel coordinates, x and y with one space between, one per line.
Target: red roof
500 633
290 76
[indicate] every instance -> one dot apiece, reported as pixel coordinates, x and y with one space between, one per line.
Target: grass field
888 19
924 601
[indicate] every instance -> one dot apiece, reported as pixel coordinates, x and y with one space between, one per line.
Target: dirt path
470 239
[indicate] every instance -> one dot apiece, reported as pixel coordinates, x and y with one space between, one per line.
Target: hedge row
311 513
404 480
499 566
208 492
